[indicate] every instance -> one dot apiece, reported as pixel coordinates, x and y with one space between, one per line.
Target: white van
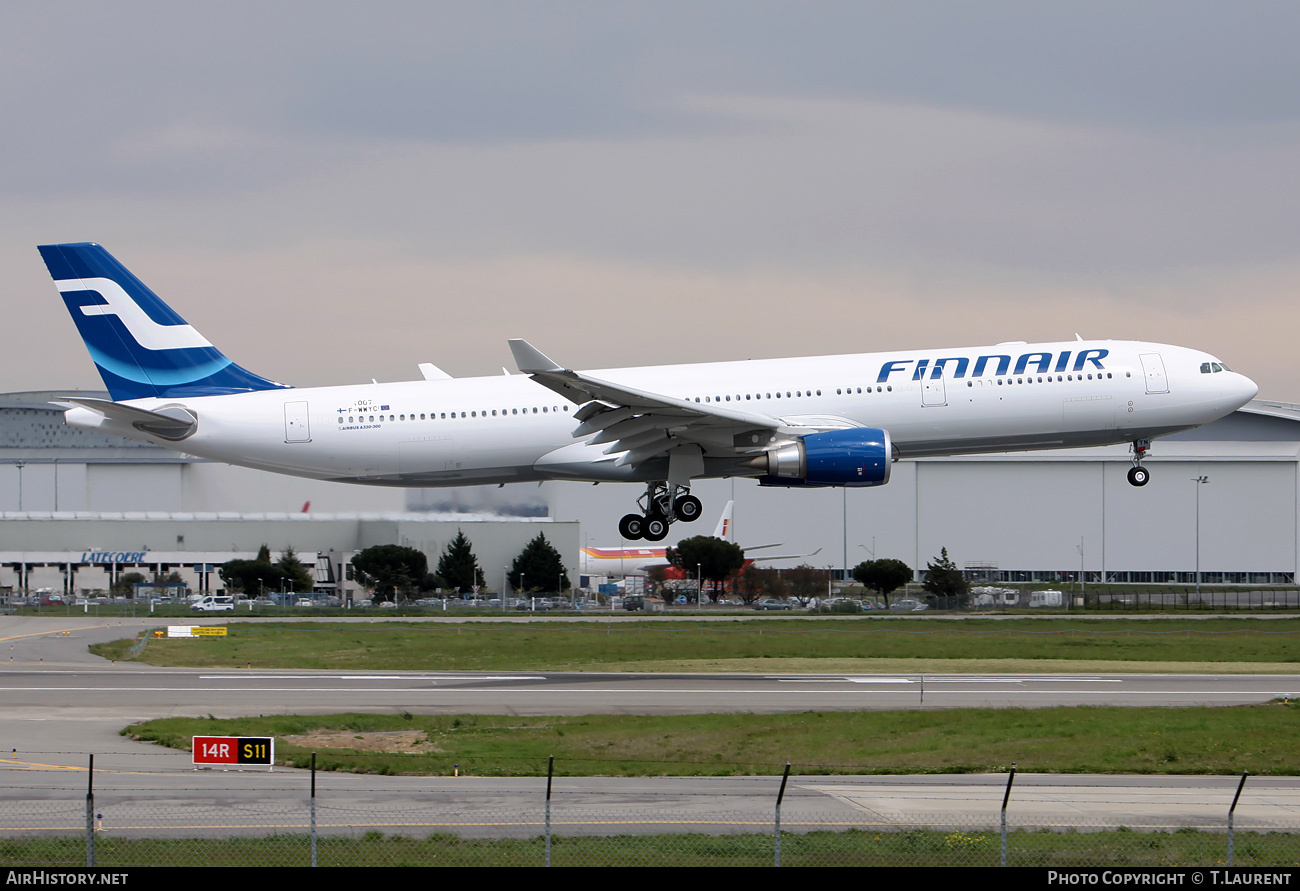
1045 598
213 603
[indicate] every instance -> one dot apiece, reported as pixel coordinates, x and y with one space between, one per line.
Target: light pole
1200 481
844 492
1083 579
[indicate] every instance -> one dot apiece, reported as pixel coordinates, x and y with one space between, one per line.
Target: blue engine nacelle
859 456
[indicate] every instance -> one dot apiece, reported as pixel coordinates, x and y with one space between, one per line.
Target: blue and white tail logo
142 347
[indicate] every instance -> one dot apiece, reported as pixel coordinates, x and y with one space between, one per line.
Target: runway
60 704
51 680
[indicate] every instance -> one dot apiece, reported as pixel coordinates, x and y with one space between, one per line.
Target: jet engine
858 456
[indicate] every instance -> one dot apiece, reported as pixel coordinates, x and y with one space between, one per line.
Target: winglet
530 359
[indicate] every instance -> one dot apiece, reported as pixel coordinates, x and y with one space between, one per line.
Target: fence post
550 773
90 812
780 796
313 808
1244 774
1011 778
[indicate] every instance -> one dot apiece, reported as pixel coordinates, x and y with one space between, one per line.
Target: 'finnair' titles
805 422
1034 363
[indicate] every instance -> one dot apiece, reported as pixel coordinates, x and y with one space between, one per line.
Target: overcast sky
335 192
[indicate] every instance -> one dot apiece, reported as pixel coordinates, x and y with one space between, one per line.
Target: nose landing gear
661 506
1137 474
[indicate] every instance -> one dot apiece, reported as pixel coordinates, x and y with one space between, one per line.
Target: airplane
799 422
635 561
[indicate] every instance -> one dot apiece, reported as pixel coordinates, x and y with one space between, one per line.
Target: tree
390 570
883 576
251 577
295 571
537 565
807 582
127 581
944 579
458 566
713 558
754 583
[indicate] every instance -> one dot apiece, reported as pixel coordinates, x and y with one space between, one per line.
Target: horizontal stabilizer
432 372
173 423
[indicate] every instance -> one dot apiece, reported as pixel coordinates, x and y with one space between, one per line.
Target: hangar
1222 501
78 508
1041 516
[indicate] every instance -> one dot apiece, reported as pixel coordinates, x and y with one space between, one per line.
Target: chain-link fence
280 834
282 823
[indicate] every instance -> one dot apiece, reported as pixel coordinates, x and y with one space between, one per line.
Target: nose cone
1243 390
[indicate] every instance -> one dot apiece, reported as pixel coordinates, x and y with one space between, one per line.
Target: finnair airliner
815 421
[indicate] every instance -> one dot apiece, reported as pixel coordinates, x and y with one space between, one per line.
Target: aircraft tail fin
723 529
140 345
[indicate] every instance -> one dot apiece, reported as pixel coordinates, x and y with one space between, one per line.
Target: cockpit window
1205 368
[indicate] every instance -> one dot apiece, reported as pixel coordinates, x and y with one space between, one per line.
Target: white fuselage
506 429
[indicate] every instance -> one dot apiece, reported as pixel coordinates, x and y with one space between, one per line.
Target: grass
1259 738
871 846
743 644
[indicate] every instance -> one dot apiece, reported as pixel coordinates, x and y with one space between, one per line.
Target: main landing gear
1137 474
661 506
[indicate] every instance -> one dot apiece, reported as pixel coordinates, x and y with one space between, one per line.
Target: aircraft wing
779 556
643 424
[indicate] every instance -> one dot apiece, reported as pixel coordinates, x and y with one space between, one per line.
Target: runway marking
677 691
948 680
368 677
36 765
47 633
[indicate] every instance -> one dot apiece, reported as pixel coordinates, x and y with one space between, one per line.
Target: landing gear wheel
632 527
1138 476
655 529
688 508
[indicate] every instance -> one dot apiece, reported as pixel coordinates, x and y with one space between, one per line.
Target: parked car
771 604
214 603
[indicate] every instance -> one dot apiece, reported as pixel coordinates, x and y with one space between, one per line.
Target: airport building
78 508
1038 516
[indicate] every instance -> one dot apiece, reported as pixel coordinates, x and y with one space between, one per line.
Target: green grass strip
875 846
641 646
1258 738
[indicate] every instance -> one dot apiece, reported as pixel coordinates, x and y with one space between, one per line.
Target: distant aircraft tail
723 530
141 346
